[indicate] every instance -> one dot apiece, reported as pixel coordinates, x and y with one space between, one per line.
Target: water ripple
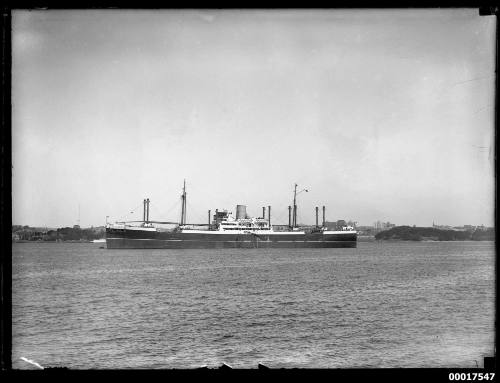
390 305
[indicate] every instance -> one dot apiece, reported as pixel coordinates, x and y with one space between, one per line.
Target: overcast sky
381 115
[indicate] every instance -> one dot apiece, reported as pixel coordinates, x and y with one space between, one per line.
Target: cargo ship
225 230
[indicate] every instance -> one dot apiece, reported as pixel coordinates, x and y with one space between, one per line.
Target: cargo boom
226 231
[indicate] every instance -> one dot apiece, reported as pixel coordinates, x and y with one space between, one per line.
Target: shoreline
432 240
359 240
70 241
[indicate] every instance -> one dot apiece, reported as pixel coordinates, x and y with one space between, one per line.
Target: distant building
381 226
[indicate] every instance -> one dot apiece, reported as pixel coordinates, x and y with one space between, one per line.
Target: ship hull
136 239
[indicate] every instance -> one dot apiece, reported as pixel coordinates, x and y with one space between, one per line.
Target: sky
380 114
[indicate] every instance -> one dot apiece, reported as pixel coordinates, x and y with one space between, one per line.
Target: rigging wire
281 218
131 212
170 209
277 218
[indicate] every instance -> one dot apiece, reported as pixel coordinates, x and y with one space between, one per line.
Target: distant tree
419 233
483 234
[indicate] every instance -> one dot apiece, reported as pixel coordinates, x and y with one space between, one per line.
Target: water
427 304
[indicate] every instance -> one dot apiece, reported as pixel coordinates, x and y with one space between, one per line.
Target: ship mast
183 197
294 224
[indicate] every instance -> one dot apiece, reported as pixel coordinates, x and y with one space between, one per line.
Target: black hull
136 239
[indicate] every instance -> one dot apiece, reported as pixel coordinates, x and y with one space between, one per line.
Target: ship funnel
241 211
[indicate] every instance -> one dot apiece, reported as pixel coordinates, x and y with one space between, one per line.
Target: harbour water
400 304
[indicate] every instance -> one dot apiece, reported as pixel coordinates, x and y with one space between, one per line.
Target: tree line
26 233
408 233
